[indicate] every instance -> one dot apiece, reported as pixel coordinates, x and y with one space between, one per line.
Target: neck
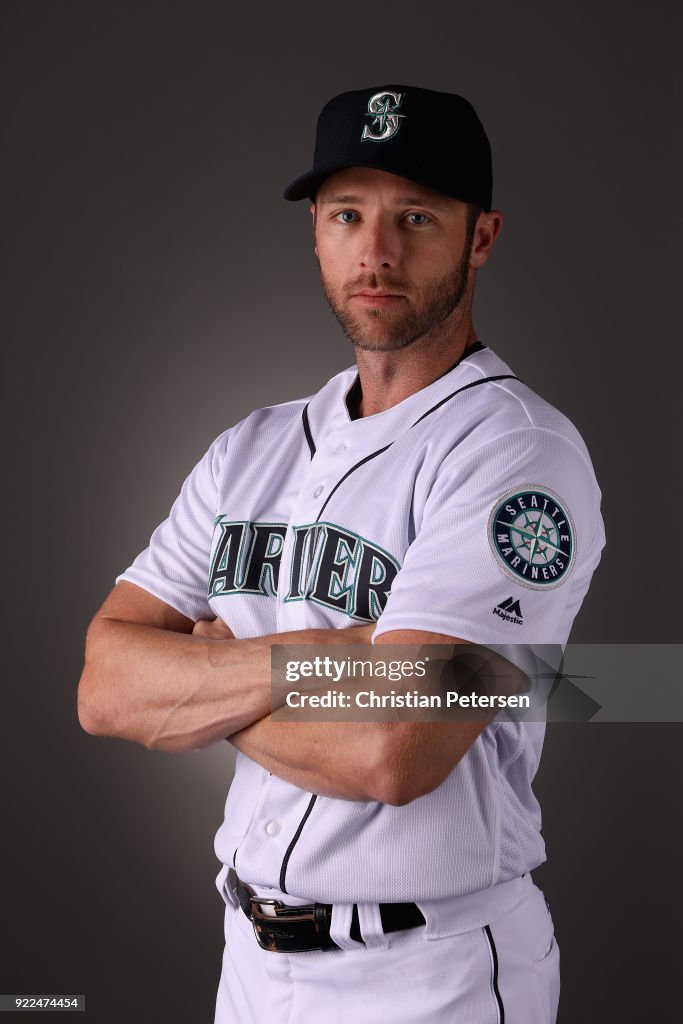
387 378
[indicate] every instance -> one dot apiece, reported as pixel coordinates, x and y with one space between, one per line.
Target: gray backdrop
157 289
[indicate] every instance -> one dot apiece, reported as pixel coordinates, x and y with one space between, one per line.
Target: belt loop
223 886
321 916
371 928
340 927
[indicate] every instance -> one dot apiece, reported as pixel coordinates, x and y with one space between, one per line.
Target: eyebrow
399 201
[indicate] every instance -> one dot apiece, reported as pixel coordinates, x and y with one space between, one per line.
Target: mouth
369 297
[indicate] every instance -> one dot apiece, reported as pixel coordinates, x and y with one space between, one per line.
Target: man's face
394 257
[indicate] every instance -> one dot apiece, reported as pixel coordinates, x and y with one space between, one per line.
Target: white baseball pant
504 972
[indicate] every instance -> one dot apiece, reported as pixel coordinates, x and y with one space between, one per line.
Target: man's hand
212 629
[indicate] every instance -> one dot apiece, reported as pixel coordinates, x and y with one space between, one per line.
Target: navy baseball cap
432 138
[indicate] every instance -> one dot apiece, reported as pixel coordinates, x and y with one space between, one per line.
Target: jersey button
273 828
317 492
341 447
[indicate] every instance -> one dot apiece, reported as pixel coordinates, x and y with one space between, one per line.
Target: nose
378 245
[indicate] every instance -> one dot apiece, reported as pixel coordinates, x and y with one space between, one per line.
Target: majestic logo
510 611
532 536
329 565
382 108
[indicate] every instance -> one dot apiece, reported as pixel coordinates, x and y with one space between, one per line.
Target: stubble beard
389 330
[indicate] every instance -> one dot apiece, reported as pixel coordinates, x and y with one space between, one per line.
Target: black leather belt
307 927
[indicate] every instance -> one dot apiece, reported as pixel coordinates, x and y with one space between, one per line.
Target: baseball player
371 871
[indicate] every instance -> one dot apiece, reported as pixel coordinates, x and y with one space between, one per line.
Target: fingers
212 629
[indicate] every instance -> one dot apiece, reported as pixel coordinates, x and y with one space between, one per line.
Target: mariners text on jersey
345 572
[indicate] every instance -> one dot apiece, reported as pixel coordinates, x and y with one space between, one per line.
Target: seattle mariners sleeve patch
532 536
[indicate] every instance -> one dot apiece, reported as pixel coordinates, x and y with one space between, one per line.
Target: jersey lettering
342 571
335 577
226 559
302 539
247 558
264 558
329 565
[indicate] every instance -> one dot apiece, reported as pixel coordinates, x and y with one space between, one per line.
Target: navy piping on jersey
477 347
295 839
347 474
465 387
307 429
472 384
475 383
494 975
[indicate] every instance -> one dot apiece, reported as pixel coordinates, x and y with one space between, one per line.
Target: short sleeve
175 565
506 545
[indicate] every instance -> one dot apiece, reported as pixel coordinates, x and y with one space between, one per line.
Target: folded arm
392 762
153 676
147 678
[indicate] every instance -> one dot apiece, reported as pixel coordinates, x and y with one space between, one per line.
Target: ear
313 213
485 233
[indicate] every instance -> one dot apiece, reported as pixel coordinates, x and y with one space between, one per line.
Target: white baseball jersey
469 509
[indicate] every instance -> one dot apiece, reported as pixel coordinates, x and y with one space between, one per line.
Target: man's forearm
172 691
167 690
346 760
390 762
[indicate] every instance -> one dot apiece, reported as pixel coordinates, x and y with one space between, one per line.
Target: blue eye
418 218
347 216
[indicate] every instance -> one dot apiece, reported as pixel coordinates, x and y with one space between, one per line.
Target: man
372 871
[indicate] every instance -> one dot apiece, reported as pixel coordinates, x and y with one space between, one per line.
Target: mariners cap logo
382 108
532 536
